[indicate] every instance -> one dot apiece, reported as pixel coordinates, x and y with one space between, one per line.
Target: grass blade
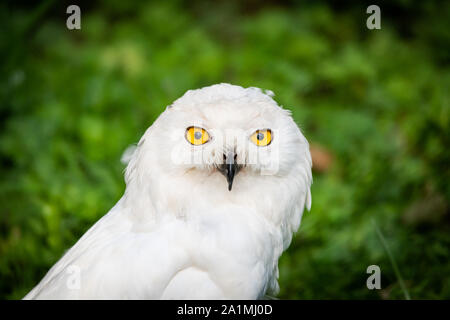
393 262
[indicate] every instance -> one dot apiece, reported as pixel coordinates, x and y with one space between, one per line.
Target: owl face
233 144
229 130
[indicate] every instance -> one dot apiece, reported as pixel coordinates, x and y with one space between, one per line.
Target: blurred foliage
377 101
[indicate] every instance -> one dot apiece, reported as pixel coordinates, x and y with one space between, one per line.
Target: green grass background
376 101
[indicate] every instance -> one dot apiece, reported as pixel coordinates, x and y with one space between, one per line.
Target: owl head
223 143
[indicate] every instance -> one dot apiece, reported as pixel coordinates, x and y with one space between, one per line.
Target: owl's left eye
196 136
262 138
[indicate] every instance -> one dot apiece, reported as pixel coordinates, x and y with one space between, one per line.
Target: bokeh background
373 103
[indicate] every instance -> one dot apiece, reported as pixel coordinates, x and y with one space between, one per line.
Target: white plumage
178 232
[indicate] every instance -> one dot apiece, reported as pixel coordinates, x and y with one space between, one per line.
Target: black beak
229 168
231 171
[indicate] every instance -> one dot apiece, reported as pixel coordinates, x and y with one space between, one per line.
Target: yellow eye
196 135
262 137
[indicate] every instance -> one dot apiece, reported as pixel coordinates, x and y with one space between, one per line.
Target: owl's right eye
196 136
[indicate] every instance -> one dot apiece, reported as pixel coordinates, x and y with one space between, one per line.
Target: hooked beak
229 168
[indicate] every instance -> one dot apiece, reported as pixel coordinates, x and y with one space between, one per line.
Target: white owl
215 190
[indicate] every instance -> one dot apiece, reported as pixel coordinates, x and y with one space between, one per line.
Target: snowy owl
215 189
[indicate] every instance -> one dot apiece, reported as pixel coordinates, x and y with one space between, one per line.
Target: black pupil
260 136
198 135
